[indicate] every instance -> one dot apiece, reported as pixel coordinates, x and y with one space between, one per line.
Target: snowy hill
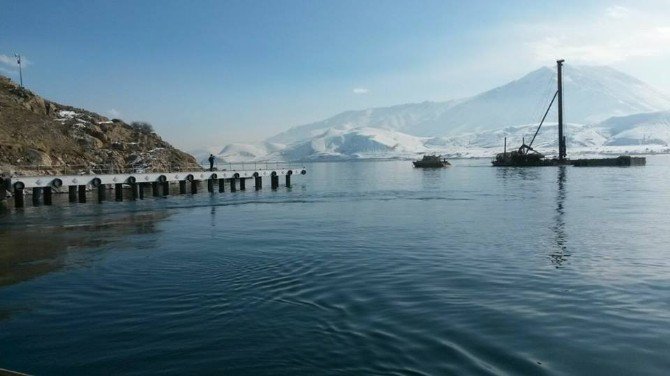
408 118
359 143
633 134
247 152
639 129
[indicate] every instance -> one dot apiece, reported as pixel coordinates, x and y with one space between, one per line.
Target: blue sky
214 72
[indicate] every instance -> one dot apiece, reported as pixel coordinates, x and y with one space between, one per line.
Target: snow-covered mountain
237 152
404 118
591 94
244 152
606 111
639 129
358 143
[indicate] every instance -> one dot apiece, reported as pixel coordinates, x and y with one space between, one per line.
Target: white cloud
616 35
360 90
114 113
617 11
9 61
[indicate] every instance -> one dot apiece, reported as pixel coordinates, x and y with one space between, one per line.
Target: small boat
431 161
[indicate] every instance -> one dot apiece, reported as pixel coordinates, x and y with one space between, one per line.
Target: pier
42 188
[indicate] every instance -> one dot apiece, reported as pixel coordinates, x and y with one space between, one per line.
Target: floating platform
159 182
533 160
623 161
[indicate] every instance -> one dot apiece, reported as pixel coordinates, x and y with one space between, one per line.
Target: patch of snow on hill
404 118
639 129
360 143
239 152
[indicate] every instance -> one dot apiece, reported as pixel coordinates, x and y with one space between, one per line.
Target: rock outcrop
40 136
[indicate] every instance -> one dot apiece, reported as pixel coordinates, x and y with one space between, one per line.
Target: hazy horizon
242 72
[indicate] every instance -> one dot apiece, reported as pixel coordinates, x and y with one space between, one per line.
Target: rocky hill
37 135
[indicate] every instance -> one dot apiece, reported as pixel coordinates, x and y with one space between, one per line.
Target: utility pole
18 61
561 139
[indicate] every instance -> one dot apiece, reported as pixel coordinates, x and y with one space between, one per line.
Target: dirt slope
44 136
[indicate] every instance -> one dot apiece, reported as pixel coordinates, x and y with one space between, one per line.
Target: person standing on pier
211 162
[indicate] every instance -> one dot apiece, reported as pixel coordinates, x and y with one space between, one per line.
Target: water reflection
560 254
212 216
431 178
29 252
518 173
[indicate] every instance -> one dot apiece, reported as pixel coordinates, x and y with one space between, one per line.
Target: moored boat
431 161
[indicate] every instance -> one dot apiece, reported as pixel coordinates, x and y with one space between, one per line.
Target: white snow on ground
67 114
359 143
239 152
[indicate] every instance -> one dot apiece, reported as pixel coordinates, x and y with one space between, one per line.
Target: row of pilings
139 190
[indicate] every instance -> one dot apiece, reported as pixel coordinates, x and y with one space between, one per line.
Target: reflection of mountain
594 98
27 253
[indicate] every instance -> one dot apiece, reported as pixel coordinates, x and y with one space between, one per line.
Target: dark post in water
561 140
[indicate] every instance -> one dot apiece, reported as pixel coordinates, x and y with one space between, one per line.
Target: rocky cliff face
40 136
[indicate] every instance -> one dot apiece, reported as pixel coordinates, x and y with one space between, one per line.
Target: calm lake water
360 268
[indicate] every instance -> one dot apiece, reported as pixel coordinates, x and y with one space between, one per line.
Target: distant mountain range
607 110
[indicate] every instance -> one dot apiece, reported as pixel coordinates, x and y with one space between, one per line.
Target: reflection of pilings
222 185
258 182
133 191
18 198
101 192
166 188
210 185
274 181
182 187
81 193
36 196
194 187
72 193
47 195
154 189
140 187
118 192
242 184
